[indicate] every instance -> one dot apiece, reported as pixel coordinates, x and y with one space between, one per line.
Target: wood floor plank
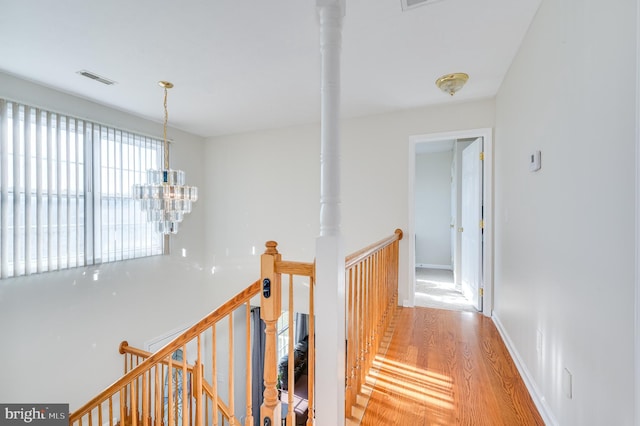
447 368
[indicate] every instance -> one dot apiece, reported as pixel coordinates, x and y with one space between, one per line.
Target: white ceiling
248 65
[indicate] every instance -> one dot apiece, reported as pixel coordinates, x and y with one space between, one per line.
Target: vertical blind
65 188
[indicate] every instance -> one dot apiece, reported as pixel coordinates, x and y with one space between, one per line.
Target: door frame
487 187
637 220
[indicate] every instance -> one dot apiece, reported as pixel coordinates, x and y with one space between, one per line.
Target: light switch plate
534 161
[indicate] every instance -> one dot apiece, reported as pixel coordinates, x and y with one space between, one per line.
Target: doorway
439 241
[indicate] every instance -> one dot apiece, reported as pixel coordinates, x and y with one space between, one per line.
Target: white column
330 294
330 14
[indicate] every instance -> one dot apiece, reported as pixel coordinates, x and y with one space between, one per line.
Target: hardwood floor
446 368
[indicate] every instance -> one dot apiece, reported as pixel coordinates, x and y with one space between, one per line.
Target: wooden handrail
169 348
362 254
221 405
124 349
295 268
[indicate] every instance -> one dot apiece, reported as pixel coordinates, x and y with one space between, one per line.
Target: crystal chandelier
165 197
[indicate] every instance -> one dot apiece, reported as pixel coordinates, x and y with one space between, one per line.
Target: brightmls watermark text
34 414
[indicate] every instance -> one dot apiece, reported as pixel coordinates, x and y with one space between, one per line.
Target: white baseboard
536 395
432 266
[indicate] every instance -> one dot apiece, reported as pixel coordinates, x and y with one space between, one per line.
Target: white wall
260 187
265 185
433 209
65 328
564 240
60 331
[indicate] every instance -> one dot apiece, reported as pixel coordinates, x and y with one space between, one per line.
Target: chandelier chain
166 119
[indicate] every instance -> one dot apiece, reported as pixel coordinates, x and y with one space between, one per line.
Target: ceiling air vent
411 4
96 77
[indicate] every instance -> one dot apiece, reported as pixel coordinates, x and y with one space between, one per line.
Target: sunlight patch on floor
411 371
437 284
436 289
416 384
445 299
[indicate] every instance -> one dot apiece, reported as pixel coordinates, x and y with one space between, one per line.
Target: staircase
180 384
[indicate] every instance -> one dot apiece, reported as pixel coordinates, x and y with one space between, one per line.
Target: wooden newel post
270 308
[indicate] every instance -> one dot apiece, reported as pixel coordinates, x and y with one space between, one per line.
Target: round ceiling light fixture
451 83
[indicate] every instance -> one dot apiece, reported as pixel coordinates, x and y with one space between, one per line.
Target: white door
452 220
471 231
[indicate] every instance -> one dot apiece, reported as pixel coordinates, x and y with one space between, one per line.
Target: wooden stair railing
142 395
133 357
145 396
372 299
163 389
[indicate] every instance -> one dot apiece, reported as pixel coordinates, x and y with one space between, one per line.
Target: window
283 334
65 188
